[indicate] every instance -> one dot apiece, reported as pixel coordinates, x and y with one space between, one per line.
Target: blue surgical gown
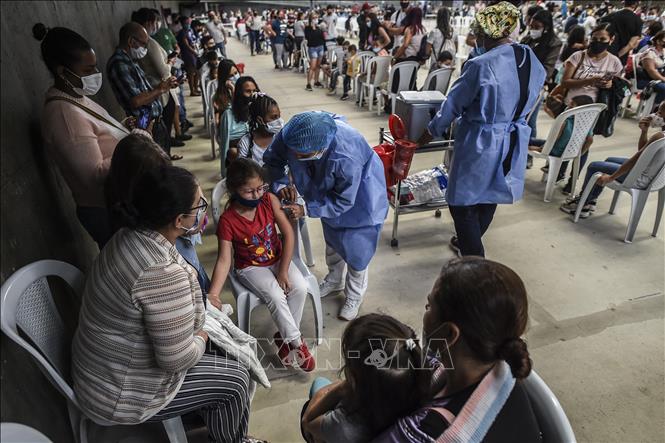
483 102
346 188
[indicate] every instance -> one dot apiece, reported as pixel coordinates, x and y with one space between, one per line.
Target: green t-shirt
166 39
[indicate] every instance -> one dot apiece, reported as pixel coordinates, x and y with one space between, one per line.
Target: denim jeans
254 44
533 120
181 102
347 84
222 48
471 223
609 166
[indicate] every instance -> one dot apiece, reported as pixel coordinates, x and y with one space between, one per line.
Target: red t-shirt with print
255 242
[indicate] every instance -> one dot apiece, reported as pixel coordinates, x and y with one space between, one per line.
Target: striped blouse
141 309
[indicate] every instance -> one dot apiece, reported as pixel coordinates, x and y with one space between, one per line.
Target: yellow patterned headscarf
497 21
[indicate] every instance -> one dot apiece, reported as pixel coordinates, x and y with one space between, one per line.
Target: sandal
175 157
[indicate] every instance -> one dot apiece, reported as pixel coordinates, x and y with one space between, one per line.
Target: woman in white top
586 72
413 36
442 38
255 25
264 121
79 134
652 62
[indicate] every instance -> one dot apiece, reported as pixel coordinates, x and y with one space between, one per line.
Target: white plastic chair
585 120
438 80
27 304
551 417
211 89
407 72
380 65
304 57
638 196
246 301
364 57
18 433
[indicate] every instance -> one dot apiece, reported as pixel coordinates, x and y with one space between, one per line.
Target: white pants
356 281
285 309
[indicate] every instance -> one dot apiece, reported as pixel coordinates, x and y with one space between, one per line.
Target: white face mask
234 78
91 84
536 33
313 158
138 53
275 126
656 121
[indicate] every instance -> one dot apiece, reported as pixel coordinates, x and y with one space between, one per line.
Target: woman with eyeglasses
247 233
139 351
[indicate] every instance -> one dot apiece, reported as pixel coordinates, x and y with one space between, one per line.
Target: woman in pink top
79 133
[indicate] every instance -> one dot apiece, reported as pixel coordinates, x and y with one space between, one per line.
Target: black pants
161 136
96 222
471 223
168 114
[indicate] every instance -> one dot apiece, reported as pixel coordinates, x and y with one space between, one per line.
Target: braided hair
259 106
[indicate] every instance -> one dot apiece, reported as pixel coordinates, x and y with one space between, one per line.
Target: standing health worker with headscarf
342 182
488 104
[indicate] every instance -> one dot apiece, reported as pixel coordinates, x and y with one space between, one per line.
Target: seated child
381 384
564 137
248 228
340 66
264 123
444 60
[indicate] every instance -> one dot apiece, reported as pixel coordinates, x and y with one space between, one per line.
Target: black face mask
596 47
404 5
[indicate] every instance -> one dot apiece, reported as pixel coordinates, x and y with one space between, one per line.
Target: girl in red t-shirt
262 263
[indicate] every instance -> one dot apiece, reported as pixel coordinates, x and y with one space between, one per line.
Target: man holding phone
130 85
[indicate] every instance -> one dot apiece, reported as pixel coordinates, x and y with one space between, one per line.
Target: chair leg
585 195
175 430
576 174
318 311
659 211
394 99
615 200
370 95
307 245
636 208
379 102
553 171
242 303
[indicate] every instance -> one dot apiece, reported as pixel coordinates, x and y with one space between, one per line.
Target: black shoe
186 124
175 143
318 85
344 97
183 137
308 87
568 188
529 162
454 245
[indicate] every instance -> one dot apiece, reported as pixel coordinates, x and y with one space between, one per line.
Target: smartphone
144 119
181 77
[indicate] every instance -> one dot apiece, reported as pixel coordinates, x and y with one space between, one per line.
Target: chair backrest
364 57
653 153
551 417
585 118
380 65
633 81
407 74
209 93
27 304
438 80
218 192
303 50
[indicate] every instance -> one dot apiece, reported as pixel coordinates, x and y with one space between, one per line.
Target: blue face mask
313 158
243 201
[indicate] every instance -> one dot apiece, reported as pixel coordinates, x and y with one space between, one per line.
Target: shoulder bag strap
89 111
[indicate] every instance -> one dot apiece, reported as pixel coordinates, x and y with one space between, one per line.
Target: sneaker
529 162
570 207
568 188
303 358
331 92
454 245
327 287
308 87
350 309
318 85
344 97
183 137
283 350
175 143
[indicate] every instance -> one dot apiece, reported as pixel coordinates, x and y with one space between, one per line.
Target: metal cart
435 146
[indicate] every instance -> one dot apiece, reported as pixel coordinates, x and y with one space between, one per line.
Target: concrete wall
38 217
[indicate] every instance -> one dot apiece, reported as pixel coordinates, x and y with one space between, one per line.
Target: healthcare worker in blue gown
488 103
342 182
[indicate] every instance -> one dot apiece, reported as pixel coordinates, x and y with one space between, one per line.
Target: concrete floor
596 303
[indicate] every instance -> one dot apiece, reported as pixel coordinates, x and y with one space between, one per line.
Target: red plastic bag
386 152
404 150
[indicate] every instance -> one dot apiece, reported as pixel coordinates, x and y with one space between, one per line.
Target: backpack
422 51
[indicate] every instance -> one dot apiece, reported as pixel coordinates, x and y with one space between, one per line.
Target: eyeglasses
202 207
258 191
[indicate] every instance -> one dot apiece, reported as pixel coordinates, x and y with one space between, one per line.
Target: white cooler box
416 109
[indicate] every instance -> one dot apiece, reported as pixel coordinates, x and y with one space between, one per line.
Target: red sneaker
283 349
304 359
